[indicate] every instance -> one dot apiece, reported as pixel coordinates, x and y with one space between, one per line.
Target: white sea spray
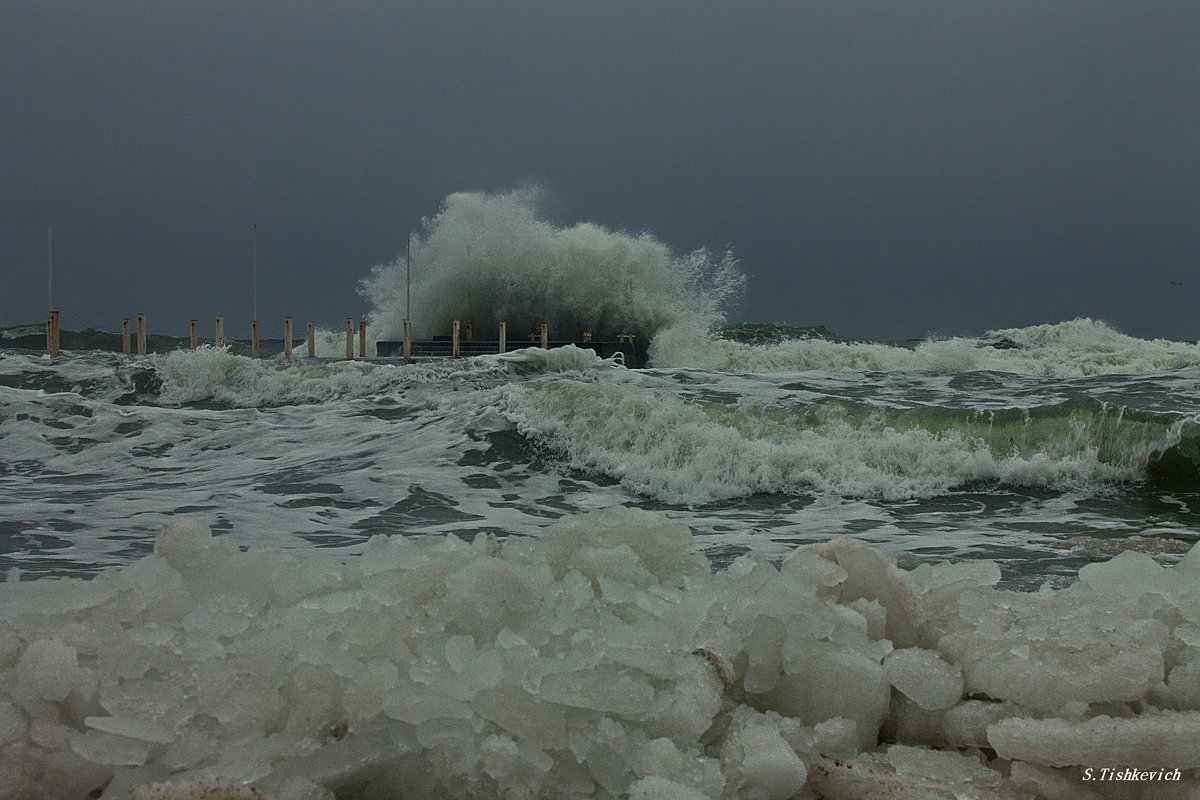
494 257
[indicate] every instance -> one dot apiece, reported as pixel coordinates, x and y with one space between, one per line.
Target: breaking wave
1077 348
495 257
663 446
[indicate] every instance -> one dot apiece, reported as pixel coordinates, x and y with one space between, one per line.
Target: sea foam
1075 348
600 659
214 375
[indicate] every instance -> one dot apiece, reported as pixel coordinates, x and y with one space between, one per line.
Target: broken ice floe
602 660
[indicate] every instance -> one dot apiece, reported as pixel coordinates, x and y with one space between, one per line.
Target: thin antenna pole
254 270
408 278
49 268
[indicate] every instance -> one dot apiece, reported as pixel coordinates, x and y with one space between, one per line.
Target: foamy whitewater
807 568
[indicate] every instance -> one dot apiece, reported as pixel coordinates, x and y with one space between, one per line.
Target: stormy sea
775 563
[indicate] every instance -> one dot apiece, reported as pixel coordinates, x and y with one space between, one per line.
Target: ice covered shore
600 660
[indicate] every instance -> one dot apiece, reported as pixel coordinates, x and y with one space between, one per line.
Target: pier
631 350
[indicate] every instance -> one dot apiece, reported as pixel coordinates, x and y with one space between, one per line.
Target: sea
1042 448
777 563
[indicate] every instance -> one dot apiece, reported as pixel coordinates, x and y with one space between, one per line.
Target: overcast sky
883 168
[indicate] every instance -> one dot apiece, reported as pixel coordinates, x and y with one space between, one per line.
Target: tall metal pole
408 278
49 268
254 271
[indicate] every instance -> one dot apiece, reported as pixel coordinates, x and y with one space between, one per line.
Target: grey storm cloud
885 169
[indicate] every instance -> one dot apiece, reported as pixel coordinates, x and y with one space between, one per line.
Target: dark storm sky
883 168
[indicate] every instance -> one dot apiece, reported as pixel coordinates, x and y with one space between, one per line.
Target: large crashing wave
494 257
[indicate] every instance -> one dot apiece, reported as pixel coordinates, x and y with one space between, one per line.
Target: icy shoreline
601 659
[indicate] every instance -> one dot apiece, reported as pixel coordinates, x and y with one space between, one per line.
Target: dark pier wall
636 355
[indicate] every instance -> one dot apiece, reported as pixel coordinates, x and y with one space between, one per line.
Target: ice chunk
1188 567
106 748
47 670
513 765
162 701
938 588
1049 784
607 751
53 776
663 546
923 677
184 543
966 724
605 689
763 652
10 647
617 563
872 575
1184 685
1168 738
655 788
911 724
1131 575
834 683
489 594
910 772
1045 649
367 691
687 709
13 725
768 767
835 738
875 616
131 728
515 710
659 757
50 734
809 567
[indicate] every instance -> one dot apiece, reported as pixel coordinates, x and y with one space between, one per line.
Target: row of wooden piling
127 341
53 333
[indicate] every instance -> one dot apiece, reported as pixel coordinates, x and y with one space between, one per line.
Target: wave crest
1076 348
493 257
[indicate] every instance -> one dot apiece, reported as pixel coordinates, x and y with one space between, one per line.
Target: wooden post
503 337
455 345
349 338
254 338
545 336
362 340
52 334
408 340
470 332
192 344
287 338
312 340
125 335
219 335
141 333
